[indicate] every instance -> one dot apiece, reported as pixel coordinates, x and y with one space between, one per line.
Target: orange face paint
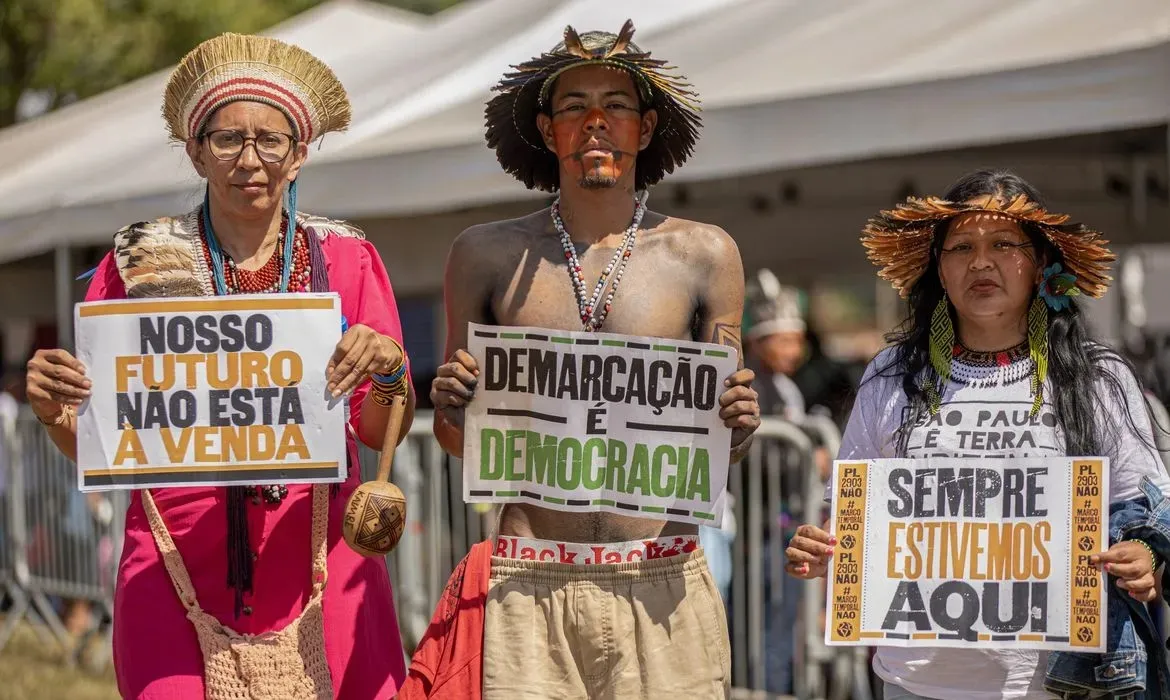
599 145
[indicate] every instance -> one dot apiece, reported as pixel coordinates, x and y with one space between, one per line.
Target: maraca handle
390 441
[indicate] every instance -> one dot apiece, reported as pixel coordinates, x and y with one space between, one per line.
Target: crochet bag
286 664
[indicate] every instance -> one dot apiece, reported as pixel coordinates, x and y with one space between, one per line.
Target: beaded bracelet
1153 557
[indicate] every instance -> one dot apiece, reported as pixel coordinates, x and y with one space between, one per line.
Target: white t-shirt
985 412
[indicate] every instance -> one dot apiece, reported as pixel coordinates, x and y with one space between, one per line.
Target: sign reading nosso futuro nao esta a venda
209 391
598 422
968 552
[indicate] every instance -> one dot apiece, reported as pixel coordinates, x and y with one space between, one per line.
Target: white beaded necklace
593 313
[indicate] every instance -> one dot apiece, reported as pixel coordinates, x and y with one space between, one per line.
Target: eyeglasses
271 146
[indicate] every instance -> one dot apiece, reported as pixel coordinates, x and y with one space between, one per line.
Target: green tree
64 50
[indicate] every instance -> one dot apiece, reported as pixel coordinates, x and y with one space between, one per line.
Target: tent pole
63 282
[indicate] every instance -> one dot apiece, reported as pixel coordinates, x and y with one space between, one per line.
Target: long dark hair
1076 363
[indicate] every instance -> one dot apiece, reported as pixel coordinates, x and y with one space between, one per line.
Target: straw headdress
232 67
770 307
899 240
523 93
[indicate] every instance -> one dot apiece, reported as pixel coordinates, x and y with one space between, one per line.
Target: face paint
598 145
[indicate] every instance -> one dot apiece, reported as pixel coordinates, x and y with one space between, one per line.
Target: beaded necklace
269 279
593 313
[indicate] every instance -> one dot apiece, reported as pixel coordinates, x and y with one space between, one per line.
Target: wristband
1153 556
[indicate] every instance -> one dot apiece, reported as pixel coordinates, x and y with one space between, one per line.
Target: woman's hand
809 552
1133 565
55 380
360 352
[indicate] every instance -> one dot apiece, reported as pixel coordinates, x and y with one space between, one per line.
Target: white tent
784 83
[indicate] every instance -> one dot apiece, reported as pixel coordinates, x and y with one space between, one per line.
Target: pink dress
156 652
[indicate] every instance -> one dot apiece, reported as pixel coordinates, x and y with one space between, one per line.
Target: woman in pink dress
245 109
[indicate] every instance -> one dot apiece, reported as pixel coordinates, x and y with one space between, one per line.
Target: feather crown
510 115
233 67
899 240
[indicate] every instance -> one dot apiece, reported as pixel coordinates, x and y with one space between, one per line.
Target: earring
942 350
1038 348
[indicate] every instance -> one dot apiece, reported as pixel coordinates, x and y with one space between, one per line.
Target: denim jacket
1133 647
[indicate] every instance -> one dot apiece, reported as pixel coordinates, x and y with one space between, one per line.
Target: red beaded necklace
266 280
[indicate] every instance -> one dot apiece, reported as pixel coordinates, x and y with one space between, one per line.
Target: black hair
1077 364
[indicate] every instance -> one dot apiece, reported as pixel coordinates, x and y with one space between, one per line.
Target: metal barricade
63 545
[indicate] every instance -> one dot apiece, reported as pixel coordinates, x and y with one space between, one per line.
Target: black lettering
682 394
987 485
931 439
515 367
156 411
231 336
290 407
1020 607
1013 493
245 411
495 370
959 624
907 596
611 390
1040 603
180 334
706 391
182 409
902 507
266 396
981 418
218 409
659 376
594 418
1034 490
152 335
542 371
567 386
590 378
129 410
636 389
206 337
955 491
258 332
923 489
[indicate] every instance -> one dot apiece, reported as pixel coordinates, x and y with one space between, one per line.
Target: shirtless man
601 132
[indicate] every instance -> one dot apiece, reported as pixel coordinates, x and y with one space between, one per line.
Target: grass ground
31 669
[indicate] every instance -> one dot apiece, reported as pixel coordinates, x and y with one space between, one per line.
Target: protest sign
598 422
209 391
965 552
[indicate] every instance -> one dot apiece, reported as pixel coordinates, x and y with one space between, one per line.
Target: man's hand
740 407
454 386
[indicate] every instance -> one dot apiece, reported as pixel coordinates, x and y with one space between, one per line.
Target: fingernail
829 553
832 540
804 568
336 393
1109 567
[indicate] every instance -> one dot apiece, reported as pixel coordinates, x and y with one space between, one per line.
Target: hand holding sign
360 351
1133 565
55 379
454 386
809 552
740 408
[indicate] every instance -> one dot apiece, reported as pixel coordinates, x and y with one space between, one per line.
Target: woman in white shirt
990 276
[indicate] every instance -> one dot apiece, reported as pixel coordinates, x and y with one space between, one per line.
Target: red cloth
156 652
448 664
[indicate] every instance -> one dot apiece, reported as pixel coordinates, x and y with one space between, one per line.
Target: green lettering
699 487
615 466
511 454
640 471
663 489
593 478
540 459
681 482
491 445
569 465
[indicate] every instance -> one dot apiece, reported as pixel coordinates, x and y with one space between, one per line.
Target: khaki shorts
646 629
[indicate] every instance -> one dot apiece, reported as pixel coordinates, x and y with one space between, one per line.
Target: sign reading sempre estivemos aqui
966 552
598 422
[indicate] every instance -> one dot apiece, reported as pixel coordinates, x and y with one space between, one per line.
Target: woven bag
286 664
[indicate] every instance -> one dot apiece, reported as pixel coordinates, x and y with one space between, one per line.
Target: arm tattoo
726 334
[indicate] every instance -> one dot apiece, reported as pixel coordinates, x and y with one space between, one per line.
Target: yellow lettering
254 369
292 443
124 368
130 448
286 368
893 549
1041 535
176 443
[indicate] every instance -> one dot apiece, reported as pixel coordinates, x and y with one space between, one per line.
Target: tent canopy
784 83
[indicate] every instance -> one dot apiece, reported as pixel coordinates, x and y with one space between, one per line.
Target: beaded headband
899 240
234 67
511 115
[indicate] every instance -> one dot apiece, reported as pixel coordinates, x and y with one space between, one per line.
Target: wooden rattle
376 512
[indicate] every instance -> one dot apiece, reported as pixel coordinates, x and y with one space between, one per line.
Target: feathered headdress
511 115
899 240
233 67
769 307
